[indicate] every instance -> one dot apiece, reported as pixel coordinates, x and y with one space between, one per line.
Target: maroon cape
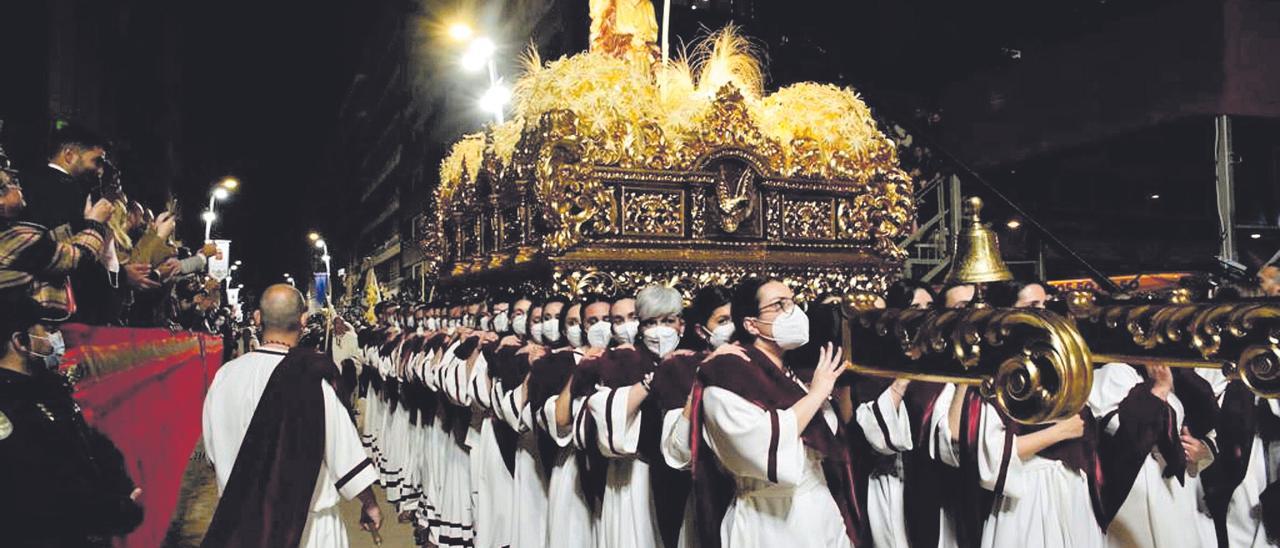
268 496
1147 421
1244 418
757 380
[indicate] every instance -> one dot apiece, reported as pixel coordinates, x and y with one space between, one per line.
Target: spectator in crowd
1269 280
42 434
58 192
34 265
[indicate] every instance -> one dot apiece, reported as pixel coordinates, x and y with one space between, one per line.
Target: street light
495 100
324 248
460 31
479 54
221 191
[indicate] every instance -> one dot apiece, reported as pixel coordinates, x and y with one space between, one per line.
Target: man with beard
42 433
57 192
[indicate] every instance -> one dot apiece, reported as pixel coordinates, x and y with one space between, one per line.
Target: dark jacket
53 197
64 482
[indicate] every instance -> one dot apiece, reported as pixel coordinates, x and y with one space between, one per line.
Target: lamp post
477 56
221 191
231 272
324 249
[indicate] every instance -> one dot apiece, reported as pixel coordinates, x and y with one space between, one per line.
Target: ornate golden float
618 170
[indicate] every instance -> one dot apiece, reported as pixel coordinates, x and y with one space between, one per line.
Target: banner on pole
219 269
322 288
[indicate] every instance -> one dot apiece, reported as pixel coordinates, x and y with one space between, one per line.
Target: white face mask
720 335
625 333
520 324
661 339
484 323
501 322
551 331
790 331
598 334
574 333
535 332
411 322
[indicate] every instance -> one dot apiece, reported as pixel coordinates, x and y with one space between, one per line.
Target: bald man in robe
282 445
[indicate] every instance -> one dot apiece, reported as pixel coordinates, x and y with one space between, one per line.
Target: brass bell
977 259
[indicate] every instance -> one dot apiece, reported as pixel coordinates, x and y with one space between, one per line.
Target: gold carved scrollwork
897 215
852 218
1032 364
1242 338
809 283
574 201
807 219
728 125
773 216
652 213
697 212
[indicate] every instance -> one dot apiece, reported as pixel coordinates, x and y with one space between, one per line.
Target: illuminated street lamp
461 32
495 100
324 249
221 191
478 55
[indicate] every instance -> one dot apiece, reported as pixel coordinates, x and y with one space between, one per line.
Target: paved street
199 498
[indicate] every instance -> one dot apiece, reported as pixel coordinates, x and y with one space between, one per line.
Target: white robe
796 510
1244 528
678 454
345 469
885 509
530 511
569 519
455 480
1044 502
1159 512
627 515
494 483
941 449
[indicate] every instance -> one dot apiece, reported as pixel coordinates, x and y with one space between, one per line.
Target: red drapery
144 388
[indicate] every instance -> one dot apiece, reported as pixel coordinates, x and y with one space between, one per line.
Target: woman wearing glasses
777 438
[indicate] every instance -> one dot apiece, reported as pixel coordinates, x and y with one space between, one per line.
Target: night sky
263 82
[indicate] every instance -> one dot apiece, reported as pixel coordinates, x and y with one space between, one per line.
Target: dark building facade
110 66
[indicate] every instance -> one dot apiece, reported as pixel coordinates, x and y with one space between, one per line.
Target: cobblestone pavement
199 498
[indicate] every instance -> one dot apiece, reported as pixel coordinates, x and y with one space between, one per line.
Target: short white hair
656 301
